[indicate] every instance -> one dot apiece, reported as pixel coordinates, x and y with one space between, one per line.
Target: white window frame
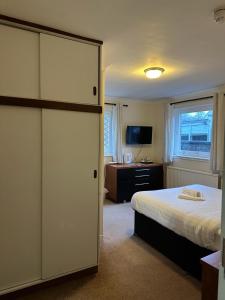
109 109
177 152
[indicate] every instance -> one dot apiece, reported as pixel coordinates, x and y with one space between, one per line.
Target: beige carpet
129 268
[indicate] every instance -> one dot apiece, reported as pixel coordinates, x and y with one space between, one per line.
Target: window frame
185 154
108 109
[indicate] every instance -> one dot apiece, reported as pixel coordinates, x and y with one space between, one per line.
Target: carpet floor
129 268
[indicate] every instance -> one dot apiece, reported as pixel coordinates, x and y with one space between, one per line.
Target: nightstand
210 273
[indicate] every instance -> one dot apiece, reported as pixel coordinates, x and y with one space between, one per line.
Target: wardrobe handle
94 90
95 173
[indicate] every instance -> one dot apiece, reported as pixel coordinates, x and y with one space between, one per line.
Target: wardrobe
50 108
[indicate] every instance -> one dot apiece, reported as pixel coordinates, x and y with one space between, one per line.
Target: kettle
128 158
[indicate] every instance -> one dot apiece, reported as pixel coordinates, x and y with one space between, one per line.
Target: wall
148 113
152 113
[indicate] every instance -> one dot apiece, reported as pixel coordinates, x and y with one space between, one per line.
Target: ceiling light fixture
219 15
154 72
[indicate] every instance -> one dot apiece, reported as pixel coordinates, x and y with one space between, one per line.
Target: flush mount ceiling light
219 15
154 72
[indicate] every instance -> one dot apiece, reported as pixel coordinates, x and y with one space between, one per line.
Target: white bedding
198 221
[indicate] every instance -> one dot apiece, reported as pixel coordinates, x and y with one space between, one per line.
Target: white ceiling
179 35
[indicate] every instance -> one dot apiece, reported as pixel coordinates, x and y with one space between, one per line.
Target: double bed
183 230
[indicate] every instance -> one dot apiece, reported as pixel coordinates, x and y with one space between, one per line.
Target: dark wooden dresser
123 180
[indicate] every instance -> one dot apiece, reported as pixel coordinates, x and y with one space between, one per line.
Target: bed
183 230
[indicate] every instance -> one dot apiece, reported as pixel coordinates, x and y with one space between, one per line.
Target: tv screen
139 135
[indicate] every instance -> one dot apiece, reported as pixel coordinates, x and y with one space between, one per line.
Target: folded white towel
192 193
188 197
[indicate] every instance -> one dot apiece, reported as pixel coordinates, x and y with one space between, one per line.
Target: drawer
156 171
141 171
141 186
124 174
152 171
148 183
140 176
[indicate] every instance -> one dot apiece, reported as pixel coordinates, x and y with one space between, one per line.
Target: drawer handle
139 176
141 170
144 183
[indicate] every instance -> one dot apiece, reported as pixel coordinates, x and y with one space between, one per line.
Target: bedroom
63 64
183 171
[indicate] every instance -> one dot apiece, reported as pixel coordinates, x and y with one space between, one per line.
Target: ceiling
180 36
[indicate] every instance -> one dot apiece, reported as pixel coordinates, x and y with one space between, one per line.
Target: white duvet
198 221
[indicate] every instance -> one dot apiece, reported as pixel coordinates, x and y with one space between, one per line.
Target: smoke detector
219 15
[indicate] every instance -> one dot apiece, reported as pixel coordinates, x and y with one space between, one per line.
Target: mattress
198 221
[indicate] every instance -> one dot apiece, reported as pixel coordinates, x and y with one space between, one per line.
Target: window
193 131
108 134
199 137
184 137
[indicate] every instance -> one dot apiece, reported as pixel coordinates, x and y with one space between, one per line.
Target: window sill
108 155
191 158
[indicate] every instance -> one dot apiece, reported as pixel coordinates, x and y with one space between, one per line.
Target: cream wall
148 113
151 113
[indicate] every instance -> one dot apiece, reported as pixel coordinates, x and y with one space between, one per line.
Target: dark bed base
177 248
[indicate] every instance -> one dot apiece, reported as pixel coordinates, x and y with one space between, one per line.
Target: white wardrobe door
70 191
20 196
69 70
19 61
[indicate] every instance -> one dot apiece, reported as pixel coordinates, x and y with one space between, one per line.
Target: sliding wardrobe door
19 62
69 70
70 191
20 196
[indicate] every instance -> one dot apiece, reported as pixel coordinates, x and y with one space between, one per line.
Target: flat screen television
139 135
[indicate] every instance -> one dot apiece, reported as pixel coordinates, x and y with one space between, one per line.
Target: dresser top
133 165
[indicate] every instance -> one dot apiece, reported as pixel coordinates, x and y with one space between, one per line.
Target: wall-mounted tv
139 135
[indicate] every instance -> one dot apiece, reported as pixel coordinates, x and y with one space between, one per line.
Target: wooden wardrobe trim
44 29
50 283
36 103
99 75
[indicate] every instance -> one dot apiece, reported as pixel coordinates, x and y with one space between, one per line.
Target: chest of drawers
123 180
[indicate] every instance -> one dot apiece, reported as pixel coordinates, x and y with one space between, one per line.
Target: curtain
117 133
217 147
169 134
214 157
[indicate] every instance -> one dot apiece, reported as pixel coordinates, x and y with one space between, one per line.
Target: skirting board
20 291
